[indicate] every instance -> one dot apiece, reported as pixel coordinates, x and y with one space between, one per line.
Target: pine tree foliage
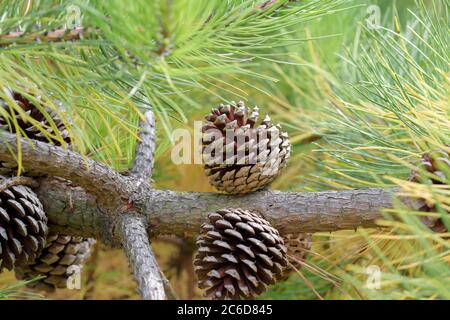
361 106
141 54
386 104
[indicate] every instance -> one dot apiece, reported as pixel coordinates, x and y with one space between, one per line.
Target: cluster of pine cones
239 252
26 245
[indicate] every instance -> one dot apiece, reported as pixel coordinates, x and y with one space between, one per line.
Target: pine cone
31 110
23 226
431 163
298 247
239 156
29 128
56 262
239 254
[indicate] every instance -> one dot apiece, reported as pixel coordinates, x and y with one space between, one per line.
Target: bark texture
290 212
145 150
181 213
141 258
14 181
109 186
151 281
58 35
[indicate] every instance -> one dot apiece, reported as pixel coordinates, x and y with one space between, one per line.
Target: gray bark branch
6 183
92 210
70 208
109 186
58 35
152 283
145 150
142 260
290 212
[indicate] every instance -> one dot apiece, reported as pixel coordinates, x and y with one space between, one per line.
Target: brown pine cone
29 128
239 255
298 247
431 162
23 226
239 156
56 262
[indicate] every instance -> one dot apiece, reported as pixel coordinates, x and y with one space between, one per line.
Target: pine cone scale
33 110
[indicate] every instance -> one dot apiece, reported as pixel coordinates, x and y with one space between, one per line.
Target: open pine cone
60 255
239 156
23 226
431 163
239 255
298 247
29 128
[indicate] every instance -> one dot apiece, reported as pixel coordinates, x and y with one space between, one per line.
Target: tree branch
182 213
6 183
70 208
57 35
152 283
145 150
39 158
92 212
145 268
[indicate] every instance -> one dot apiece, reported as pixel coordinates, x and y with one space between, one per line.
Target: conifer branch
145 150
151 281
6 183
118 209
71 209
42 158
58 35
92 211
